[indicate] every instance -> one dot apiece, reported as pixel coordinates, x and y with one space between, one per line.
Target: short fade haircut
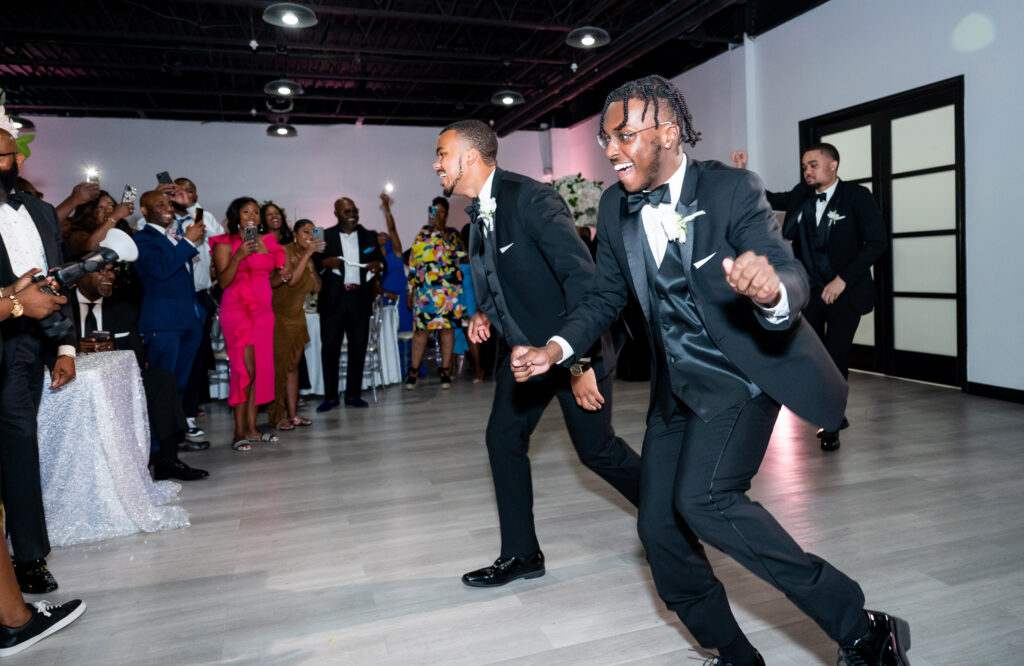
651 89
827 149
479 135
441 201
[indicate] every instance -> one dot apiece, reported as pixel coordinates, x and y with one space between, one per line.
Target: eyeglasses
8 154
623 138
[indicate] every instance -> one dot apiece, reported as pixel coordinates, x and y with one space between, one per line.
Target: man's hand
751 275
22 282
739 159
832 290
479 328
333 263
168 188
196 231
63 372
374 267
85 192
38 303
530 361
584 389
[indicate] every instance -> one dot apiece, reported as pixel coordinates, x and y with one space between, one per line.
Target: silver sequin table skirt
93 456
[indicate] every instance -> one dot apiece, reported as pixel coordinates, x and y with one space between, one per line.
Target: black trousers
20 488
167 423
202 363
514 415
349 318
835 324
694 488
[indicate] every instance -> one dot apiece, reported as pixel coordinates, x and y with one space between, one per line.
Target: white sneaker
193 429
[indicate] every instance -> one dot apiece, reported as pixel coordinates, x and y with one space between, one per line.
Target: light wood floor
344 543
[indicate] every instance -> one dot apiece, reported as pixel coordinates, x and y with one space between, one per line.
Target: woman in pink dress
247 270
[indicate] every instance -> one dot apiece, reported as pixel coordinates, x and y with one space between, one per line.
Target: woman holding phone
248 266
290 334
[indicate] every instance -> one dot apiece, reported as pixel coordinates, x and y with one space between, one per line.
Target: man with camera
30 235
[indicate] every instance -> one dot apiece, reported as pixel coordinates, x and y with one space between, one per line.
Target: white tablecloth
93 455
391 363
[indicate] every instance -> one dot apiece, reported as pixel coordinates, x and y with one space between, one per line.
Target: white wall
847 52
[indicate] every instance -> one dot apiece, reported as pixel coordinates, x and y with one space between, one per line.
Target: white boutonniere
487 209
834 217
675 225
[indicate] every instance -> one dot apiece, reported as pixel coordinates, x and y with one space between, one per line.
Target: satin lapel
688 205
833 205
501 213
50 248
633 240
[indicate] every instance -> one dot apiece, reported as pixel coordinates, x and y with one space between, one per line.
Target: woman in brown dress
290 334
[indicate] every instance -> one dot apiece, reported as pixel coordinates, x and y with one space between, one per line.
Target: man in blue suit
170 319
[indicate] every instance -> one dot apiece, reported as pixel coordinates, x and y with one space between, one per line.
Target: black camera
117 246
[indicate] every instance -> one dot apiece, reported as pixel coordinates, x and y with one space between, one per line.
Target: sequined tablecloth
93 456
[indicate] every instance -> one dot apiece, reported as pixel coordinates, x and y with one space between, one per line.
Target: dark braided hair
651 89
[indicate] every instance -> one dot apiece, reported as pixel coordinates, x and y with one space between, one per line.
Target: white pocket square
121 335
704 260
504 249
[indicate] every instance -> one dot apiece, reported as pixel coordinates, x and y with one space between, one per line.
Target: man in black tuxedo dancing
838 235
522 243
698 246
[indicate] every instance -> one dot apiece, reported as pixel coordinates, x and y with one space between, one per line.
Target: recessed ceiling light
281 130
507 98
289 15
283 88
587 37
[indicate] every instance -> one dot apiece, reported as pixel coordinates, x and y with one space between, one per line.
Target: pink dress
247 319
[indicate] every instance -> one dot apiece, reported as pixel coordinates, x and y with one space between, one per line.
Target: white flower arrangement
583 197
834 217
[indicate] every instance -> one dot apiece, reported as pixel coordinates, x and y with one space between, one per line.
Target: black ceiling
408 62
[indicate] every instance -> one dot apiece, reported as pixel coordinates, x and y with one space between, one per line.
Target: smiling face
304 235
273 218
450 163
347 213
104 207
249 215
156 208
643 154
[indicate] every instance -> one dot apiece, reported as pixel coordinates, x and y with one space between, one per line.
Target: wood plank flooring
344 543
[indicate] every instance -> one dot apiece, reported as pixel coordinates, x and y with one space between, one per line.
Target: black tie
90 321
15 200
474 210
819 196
637 200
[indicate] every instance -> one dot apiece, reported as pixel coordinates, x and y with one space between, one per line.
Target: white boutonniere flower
834 217
675 225
487 209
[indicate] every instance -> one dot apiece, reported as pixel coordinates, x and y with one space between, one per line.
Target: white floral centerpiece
583 196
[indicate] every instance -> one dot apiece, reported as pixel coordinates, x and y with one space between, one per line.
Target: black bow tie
819 196
637 200
16 200
474 210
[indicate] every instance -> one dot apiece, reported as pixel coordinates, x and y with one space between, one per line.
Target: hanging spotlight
289 15
282 130
587 37
507 98
283 88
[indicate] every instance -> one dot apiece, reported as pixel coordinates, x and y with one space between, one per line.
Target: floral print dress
435 280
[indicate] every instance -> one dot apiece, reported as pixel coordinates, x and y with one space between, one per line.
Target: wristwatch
17 309
579 367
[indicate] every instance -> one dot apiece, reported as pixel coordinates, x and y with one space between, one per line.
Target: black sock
862 629
738 653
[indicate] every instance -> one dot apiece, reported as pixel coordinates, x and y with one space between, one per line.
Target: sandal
269 437
299 421
285 424
242 445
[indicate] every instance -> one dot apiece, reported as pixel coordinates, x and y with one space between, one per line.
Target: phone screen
164 178
199 215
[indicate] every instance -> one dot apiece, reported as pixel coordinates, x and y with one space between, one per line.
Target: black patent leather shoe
829 440
180 471
505 570
34 578
712 659
885 644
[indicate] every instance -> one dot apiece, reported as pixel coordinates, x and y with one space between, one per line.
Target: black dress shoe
178 470
712 659
327 405
356 402
885 644
829 440
34 578
505 570
189 445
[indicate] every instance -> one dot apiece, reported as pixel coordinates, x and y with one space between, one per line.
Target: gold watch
17 309
577 369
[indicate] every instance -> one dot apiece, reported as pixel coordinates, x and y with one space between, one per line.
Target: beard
8 180
652 171
447 191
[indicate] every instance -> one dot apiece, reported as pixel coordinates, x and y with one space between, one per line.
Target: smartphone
432 209
249 234
129 194
318 234
199 214
164 178
92 176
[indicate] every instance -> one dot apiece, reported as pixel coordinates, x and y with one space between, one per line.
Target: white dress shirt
83 309
201 261
820 206
485 194
349 253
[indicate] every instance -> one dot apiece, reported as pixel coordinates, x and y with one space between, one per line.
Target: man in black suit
31 239
95 310
348 268
698 246
529 268
838 235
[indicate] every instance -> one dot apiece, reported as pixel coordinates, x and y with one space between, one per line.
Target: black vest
689 364
814 242
492 301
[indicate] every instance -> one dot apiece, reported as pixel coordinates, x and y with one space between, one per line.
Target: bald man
348 267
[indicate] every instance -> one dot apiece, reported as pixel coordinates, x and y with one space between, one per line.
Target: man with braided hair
697 245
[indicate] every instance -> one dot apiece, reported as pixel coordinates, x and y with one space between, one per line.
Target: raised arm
396 242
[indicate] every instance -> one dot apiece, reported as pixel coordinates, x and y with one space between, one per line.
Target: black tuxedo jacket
856 240
730 215
120 319
45 217
543 266
334 285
